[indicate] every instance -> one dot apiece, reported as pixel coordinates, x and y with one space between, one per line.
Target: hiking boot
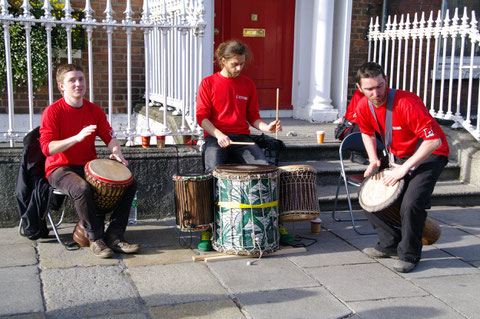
100 249
375 253
404 266
120 245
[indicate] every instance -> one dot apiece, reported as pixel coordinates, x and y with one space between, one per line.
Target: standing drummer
227 102
67 137
420 151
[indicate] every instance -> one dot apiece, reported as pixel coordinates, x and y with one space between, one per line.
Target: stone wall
153 169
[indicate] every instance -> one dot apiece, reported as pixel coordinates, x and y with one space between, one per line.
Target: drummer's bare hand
86 131
223 140
275 126
119 158
371 167
394 175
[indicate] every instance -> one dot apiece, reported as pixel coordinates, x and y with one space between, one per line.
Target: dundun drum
246 209
109 180
384 201
298 193
193 201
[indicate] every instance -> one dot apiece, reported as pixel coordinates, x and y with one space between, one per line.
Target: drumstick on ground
276 113
242 143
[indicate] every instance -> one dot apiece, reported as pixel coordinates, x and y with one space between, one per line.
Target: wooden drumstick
276 113
241 143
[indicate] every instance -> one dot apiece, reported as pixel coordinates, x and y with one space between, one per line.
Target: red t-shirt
61 121
410 122
228 103
351 113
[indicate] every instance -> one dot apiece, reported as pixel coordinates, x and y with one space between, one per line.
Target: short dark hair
369 70
63 69
230 49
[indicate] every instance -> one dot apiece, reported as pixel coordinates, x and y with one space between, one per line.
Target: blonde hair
63 69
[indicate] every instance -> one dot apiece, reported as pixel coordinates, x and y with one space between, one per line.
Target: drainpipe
385 13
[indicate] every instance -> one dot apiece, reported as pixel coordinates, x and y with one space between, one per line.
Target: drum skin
193 202
109 180
246 209
80 235
298 193
385 201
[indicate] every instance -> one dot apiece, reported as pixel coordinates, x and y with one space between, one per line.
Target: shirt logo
428 132
397 128
242 97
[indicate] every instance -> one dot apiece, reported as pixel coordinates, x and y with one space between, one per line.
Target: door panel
271 66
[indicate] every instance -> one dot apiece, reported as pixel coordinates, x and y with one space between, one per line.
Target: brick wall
100 64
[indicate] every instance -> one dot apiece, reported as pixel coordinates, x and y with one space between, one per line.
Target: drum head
109 170
297 168
245 169
374 196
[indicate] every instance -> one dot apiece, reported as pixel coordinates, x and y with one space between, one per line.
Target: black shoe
375 253
359 158
404 266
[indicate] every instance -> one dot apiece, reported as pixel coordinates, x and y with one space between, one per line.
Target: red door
266 26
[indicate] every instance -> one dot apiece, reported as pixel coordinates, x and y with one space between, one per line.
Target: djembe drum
385 201
298 193
193 202
109 180
246 209
80 235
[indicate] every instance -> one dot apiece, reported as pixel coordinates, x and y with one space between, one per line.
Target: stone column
319 106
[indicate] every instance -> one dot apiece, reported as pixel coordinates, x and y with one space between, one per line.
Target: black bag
271 147
342 129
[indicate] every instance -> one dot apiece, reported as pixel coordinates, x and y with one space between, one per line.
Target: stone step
328 171
446 193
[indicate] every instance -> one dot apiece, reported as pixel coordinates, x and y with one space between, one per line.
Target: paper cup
146 141
320 137
160 141
316 225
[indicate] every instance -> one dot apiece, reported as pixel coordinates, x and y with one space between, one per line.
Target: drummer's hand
119 158
275 126
223 140
86 131
394 175
371 167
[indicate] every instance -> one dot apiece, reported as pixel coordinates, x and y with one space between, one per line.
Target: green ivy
38 44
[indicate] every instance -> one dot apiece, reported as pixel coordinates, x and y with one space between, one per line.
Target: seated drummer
226 103
420 151
67 137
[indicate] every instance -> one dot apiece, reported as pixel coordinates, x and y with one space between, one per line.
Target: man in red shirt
226 104
420 152
67 137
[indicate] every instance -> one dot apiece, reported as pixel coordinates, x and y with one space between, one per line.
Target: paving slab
176 283
401 308
329 250
54 255
38 315
293 303
88 291
459 244
363 282
466 219
434 263
158 256
17 255
217 309
269 273
9 236
113 315
150 233
459 292
20 291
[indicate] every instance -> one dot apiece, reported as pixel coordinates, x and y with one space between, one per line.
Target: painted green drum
246 209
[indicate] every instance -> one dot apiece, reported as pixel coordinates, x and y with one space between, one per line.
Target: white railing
173 31
414 56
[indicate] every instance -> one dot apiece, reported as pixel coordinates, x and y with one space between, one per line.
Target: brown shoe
100 249
120 245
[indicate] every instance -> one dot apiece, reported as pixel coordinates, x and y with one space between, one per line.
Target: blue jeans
214 155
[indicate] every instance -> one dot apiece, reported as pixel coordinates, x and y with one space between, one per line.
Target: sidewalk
333 279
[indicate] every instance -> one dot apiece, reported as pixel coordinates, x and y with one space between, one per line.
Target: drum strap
240 205
387 135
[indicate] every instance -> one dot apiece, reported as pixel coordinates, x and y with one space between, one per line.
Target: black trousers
406 240
214 155
71 181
